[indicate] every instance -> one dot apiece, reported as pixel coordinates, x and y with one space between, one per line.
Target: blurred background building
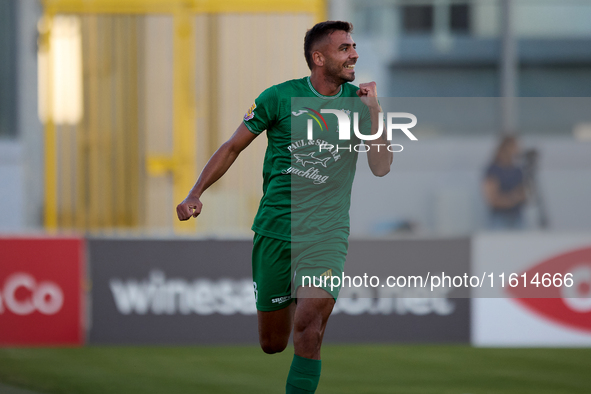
108 113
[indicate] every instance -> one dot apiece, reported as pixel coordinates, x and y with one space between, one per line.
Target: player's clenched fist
368 89
191 206
368 92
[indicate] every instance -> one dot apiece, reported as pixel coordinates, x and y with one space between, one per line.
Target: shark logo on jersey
309 158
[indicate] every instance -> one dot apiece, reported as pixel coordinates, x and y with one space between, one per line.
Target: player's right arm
217 166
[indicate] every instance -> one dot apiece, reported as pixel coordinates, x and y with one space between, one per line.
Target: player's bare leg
312 312
275 328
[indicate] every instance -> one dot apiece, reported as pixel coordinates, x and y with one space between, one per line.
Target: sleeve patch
250 113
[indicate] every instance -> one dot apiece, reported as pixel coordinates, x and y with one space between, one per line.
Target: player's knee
309 329
271 347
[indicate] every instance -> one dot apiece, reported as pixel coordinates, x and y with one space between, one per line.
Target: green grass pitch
355 369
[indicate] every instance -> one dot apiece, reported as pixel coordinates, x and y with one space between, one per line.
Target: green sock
304 375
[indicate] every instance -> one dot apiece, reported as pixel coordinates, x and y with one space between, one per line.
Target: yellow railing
313 7
113 168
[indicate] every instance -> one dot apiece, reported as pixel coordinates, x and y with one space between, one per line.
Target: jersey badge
250 113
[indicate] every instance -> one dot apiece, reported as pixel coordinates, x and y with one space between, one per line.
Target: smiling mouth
350 67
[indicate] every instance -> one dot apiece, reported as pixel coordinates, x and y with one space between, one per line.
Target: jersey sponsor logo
311 173
280 300
301 111
250 113
309 158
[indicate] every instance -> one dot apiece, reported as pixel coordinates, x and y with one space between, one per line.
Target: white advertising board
542 310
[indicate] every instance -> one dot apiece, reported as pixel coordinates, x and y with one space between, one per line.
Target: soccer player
308 238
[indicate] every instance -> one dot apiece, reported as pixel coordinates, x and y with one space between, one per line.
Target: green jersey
306 181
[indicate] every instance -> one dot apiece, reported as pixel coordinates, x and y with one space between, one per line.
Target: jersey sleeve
262 114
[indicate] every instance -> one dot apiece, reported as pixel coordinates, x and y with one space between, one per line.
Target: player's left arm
379 160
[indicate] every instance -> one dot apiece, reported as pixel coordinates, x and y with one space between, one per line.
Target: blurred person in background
504 187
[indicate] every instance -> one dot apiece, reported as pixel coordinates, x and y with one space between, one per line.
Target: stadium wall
186 291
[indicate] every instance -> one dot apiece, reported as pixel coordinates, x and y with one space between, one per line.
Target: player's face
341 56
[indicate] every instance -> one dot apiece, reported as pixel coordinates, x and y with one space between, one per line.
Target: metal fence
136 95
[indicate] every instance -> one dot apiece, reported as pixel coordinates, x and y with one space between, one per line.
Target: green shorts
276 279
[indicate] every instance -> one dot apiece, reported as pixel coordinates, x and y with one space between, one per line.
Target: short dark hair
318 32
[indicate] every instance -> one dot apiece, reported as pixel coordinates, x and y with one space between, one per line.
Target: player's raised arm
379 160
217 166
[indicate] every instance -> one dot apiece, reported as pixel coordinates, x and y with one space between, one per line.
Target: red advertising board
567 305
41 298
